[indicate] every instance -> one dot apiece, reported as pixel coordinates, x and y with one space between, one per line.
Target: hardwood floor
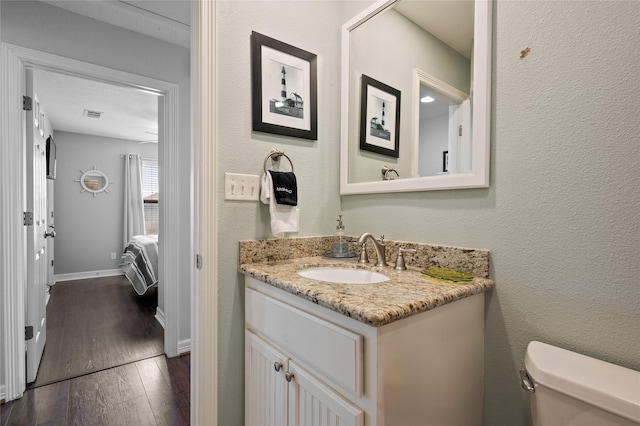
103 362
95 324
154 391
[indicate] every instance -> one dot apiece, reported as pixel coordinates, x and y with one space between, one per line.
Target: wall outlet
113 255
241 187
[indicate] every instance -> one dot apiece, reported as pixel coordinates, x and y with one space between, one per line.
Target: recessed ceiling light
92 114
427 99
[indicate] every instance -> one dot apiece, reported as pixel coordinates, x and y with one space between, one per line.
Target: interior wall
561 217
317 30
434 139
88 228
46 28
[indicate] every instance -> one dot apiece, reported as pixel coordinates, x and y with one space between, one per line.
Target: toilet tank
575 390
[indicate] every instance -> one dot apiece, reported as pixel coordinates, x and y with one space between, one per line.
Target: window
150 196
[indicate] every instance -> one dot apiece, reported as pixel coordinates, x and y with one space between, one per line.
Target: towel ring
275 155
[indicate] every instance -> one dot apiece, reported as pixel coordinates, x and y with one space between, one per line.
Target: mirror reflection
425 50
443 142
389 47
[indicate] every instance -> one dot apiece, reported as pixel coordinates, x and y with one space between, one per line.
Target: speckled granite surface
277 262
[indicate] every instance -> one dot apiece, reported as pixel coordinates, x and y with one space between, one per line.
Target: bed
139 262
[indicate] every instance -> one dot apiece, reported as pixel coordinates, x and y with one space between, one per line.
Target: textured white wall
560 218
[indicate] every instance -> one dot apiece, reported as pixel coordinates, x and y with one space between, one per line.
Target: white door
51 280
311 403
265 385
37 268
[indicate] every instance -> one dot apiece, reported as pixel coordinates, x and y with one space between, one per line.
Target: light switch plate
241 187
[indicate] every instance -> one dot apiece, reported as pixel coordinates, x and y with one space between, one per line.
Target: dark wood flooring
154 391
103 362
95 324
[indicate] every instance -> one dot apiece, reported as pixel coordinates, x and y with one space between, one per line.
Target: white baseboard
88 274
3 393
160 316
184 346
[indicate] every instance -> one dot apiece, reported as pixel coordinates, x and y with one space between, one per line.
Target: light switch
241 187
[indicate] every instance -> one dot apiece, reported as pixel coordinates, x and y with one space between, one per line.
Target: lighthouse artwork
379 117
289 103
377 124
284 88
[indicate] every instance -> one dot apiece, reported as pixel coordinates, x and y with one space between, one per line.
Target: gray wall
53 30
434 139
88 228
560 218
240 150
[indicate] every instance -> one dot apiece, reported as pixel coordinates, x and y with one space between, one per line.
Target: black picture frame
379 130
278 108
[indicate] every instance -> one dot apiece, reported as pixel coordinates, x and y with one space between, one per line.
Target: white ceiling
127 113
449 20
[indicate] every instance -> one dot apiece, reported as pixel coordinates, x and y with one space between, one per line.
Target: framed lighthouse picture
284 88
379 117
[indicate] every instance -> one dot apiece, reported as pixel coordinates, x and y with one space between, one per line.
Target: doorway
95 320
16 60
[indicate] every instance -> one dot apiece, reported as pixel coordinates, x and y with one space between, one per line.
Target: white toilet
569 389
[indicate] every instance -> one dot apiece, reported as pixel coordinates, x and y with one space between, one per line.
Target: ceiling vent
92 114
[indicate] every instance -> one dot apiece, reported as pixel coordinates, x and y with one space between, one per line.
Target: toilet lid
604 385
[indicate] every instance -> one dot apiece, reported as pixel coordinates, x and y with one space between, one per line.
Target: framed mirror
409 45
94 181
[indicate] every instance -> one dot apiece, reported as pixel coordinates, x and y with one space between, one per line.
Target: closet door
265 384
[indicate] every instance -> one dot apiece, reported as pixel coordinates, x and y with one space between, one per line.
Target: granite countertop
405 294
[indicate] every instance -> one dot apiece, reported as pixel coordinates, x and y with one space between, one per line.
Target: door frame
15 60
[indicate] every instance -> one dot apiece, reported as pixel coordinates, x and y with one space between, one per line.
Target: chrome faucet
378 246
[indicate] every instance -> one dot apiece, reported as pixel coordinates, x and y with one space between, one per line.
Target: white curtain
133 203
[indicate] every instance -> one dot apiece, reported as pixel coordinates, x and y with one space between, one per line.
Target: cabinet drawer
332 352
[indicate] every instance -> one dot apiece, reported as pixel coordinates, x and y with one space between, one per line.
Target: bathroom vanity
407 351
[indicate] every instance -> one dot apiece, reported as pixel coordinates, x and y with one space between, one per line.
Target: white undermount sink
343 275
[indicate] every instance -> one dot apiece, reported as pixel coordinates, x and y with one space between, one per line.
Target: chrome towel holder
275 156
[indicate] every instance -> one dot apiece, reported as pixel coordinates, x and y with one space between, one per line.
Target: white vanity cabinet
281 392
309 365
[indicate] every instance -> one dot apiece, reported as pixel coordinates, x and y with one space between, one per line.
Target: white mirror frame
94 173
479 177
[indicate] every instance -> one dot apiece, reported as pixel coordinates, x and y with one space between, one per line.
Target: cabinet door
265 385
311 403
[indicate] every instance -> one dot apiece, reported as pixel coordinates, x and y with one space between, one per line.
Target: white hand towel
283 218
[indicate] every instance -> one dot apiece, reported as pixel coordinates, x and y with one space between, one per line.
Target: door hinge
28 332
27 218
198 261
460 130
27 103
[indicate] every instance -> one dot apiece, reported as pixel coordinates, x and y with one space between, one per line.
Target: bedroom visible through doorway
100 320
